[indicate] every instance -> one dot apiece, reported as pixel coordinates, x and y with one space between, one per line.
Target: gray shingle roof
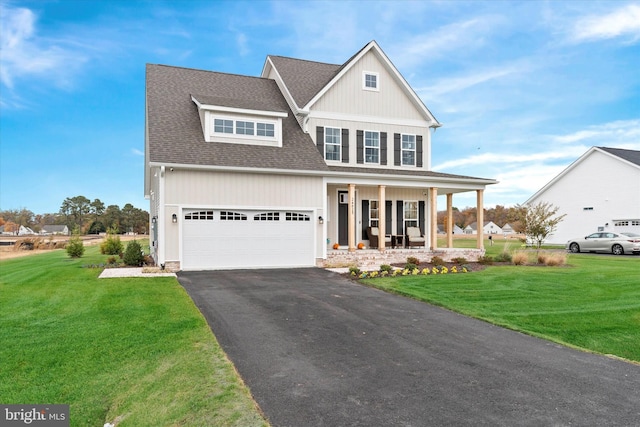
303 78
632 156
398 172
175 133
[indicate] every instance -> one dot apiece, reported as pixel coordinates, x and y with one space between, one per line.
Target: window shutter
360 146
383 148
387 216
421 216
400 217
320 139
397 149
345 145
365 219
419 151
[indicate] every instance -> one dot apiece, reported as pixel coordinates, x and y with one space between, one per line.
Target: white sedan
615 243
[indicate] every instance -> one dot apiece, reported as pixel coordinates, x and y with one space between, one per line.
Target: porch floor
372 259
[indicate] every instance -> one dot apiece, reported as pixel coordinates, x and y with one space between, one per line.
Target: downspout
161 222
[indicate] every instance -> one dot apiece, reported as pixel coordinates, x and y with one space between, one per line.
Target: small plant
133 254
503 257
111 244
354 271
520 258
554 259
410 266
413 260
75 247
386 267
436 260
460 260
485 260
112 260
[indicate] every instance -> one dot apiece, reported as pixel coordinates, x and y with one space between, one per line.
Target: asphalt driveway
317 349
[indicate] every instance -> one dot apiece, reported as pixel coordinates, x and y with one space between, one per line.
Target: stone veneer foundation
373 258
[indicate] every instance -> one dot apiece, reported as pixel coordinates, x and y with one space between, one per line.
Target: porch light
320 220
154 219
174 218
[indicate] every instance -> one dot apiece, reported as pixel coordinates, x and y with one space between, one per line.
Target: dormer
237 121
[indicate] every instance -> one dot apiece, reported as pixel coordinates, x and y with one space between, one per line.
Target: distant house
489 228
55 229
507 229
598 192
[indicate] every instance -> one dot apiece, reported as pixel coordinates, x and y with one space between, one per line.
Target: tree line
499 215
82 214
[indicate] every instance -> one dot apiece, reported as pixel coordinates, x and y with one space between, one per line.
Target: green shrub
354 271
75 247
485 260
112 260
503 257
386 267
460 260
410 266
133 254
436 260
111 245
413 260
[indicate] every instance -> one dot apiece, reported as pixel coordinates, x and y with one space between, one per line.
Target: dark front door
343 218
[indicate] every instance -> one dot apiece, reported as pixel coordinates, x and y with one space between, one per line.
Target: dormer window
370 81
235 125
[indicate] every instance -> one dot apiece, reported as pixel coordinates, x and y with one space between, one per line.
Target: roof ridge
304 60
208 71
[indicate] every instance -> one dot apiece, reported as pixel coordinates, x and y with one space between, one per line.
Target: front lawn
132 350
594 303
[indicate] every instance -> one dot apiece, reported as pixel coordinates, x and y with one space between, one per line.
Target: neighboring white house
271 171
22 231
489 228
55 229
507 229
598 192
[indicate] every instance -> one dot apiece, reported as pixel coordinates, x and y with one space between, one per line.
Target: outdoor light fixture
320 220
174 218
154 219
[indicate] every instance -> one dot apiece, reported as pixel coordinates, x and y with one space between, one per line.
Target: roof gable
631 157
309 81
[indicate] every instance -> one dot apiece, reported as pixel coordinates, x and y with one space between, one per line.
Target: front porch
371 259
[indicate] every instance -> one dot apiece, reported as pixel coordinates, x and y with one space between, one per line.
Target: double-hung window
265 129
408 150
332 143
370 81
371 147
410 214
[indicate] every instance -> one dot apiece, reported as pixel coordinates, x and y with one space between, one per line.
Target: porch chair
373 232
414 237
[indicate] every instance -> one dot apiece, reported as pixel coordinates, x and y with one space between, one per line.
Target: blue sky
522 88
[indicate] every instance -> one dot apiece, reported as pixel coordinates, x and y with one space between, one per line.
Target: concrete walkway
109 273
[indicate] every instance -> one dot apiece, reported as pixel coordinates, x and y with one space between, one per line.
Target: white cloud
617 134
137 152
24 54
622 22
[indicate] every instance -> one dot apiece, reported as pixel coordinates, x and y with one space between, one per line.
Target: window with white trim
265 129
374 214
410 214
244 128
371 147
223 126
408 150
370 80
332 143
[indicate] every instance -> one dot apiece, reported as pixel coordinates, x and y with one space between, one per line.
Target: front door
343 218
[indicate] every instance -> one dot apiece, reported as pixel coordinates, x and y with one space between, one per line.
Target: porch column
382 212
449 220
352 218
480 219
433 204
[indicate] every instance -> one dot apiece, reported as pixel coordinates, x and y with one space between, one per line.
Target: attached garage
226 239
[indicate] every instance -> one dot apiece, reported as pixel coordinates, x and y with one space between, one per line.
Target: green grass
500 244
593 304
133 348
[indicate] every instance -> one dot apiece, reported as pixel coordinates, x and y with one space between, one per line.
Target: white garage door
217 239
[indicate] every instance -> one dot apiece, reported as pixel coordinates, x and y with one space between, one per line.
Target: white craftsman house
598 192
272 171
489 228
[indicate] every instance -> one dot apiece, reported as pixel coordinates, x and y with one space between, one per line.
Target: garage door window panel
232 216
267 216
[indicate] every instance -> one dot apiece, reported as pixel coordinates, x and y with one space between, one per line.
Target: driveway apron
317 349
